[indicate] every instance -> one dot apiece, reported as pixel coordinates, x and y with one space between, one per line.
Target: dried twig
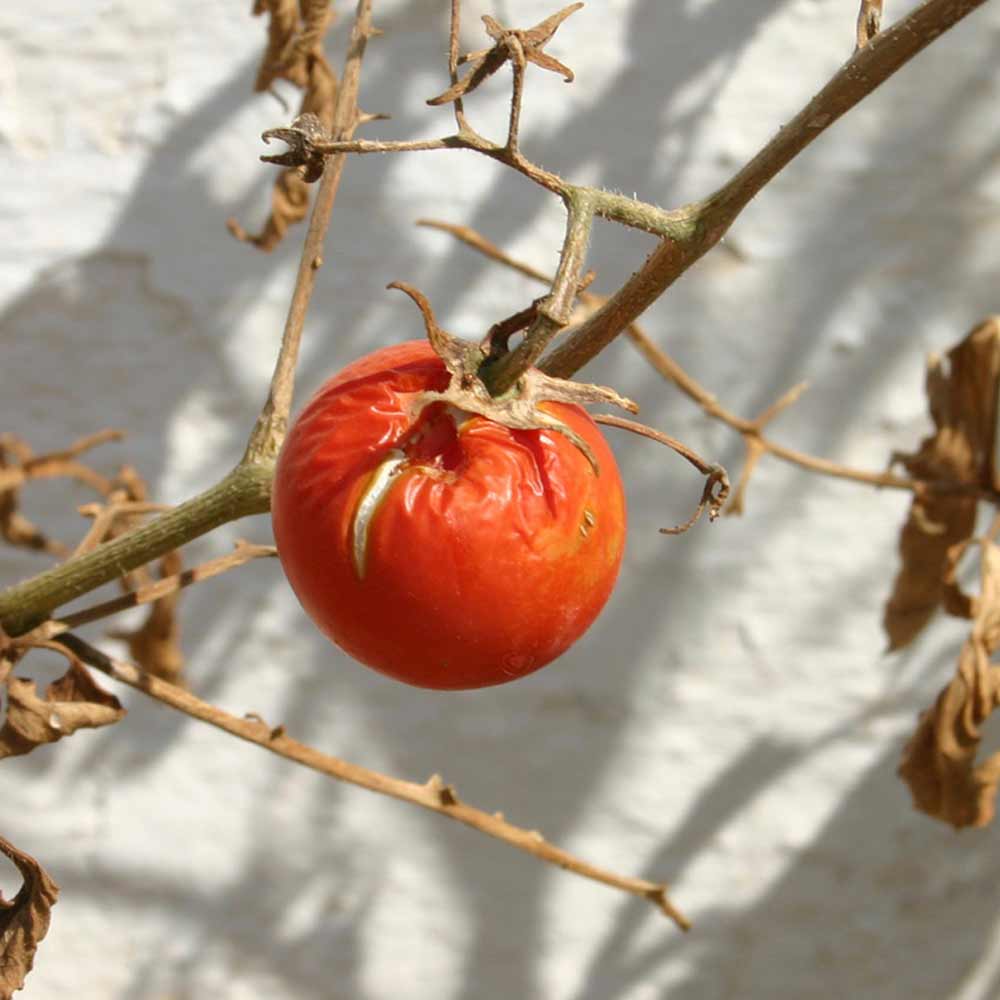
869 21
701 225
272 424
751 430
165 586
433 795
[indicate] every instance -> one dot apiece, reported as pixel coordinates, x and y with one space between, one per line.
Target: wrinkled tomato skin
490 552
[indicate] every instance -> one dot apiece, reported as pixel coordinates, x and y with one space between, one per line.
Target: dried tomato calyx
519 408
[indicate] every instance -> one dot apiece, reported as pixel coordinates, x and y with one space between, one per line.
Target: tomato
447 551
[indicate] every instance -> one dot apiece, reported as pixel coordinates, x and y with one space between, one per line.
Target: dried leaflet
295 53
963 406
939 763
74 701
24 921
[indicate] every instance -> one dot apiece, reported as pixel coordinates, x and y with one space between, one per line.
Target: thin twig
708 221
453 33
244 553
247 489
751 430
56 463
269 432
869 21
433 795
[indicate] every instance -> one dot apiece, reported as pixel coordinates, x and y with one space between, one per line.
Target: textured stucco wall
730 724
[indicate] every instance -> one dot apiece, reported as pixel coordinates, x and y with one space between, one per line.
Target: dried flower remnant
962 397
939 763
24 921
522 45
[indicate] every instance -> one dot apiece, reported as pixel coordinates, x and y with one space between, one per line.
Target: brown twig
105 516
269 432
751 430
247 489
702 224
244 553
869 22
433 795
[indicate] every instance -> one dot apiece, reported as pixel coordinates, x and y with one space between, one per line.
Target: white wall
729 725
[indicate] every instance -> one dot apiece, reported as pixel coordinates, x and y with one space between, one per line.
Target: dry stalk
433 795
752 431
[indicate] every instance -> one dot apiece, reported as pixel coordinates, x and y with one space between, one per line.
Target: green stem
246 490
554 313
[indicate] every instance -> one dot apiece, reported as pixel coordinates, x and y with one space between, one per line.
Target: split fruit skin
446 551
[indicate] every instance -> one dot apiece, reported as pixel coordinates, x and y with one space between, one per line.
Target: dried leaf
294 52
939 763
24 921
74 701
963 406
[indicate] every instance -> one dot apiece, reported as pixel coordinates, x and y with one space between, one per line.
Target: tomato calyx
519 408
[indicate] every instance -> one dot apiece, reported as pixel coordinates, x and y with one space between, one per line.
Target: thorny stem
272 424
434 795
710 219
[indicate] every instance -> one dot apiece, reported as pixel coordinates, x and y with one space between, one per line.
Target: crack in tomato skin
463 564
368 505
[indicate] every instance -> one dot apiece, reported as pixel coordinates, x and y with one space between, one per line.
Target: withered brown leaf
962 397
74 701
295 53
24 921
939 762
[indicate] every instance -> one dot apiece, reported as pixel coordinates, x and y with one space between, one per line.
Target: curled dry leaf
74 701
962 396
939 762
24 921
295 53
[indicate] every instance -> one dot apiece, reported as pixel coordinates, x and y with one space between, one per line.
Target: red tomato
449 552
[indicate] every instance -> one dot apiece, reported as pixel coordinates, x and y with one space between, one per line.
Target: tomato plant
443 549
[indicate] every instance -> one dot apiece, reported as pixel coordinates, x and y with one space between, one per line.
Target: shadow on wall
541 748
